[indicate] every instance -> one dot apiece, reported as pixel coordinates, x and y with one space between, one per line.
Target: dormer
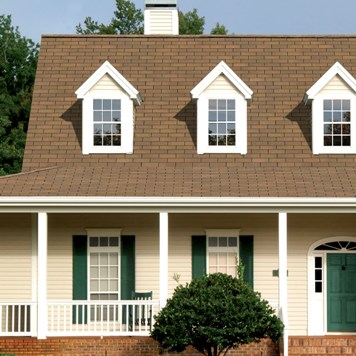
109 102
161 17
333 100
222 100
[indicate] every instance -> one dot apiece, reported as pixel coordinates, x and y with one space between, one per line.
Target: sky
37 17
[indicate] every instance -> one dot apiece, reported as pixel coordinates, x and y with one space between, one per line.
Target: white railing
101 318
15 318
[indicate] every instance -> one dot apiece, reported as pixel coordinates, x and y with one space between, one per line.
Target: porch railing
101 318
16 318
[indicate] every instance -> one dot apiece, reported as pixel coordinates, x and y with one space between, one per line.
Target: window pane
98 140
97 104
213 259
328 116
104 259
116 104
213 129
106 140
222 241
116 140
328 129
221 104
328 141
231 140
232 241
94 272
213 104
94 241
231 116
346 116
337 116
98 129
336 104
114 259
231 104
114 285
104 241
221 140
222 116
213 140
98 116
104 272
222 129
213 241
337 129
337 141
106 104
346 141
104 286
318 287
318 274
231 128
114 241
116 116
113 272
106 116
213 116
94 259
318 262
222 260
94 285
328 105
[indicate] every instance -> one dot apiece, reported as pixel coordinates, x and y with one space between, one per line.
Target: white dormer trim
114 131
228 133
336 69
223 68
107 68
332 132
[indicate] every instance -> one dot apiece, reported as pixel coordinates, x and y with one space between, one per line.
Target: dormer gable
333 100
336 74
108 107
223 70
222 99
107 71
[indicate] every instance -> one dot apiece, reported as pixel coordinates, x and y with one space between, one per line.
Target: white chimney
161 17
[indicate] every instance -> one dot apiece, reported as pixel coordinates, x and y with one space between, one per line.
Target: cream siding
106 84
336 85
221 85
15 257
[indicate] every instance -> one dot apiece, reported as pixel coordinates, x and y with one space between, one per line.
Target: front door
341 292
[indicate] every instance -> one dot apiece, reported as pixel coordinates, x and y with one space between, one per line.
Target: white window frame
129 97
127 124
222 233
242 94
318 124
91 249
203 124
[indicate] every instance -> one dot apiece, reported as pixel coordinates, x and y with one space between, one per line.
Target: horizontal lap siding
221 85
106 83
15 257
336 85
62 229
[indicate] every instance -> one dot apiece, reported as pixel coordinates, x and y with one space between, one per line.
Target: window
109 102
318 269
107 122
104 268
222 100
222 251
333 100
337 123
222 122
222 255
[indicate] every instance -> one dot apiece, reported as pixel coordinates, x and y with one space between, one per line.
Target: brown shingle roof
183 182
279 162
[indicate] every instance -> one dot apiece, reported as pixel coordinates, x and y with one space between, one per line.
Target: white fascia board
223 68
336 69
175 202
107 68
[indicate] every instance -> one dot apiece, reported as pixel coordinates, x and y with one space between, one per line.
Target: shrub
215 313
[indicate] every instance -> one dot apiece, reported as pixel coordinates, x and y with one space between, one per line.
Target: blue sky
36 17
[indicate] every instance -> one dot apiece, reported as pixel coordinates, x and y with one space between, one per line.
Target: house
157 156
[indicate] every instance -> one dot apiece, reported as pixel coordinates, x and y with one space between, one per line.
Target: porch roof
225 182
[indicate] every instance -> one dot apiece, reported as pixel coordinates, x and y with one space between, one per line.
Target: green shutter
80 275
127 266
246 257
198 256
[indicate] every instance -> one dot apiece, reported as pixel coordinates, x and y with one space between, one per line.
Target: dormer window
333 99
222 99
109 102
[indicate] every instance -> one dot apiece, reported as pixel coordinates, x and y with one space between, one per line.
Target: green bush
214 314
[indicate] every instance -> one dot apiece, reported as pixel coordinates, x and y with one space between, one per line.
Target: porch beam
283 283
163 258
42 319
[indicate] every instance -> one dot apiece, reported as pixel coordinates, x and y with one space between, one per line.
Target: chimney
161 17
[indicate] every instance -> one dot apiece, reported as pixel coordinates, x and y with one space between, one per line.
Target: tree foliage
190 23
219 30
128 20
18 59
214 314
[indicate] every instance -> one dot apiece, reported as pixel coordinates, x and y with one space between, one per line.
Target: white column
283 285
163 258
42 320
34 275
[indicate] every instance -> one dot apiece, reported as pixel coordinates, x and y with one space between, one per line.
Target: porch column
163 258
283 286
42 277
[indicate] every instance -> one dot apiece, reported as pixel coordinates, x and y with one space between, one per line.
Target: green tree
215 313
18 60
128 20
191 23
219 30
